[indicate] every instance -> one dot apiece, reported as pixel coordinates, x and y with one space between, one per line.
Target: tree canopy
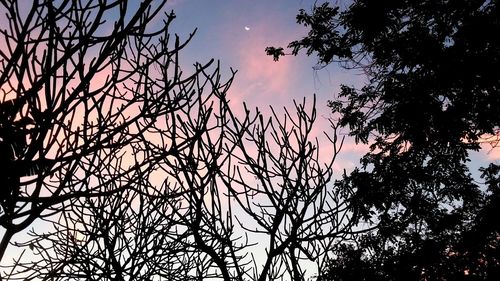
432 95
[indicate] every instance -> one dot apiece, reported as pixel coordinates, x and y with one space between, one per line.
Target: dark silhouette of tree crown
432 96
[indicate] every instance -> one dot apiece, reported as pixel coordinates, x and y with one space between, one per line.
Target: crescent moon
247 28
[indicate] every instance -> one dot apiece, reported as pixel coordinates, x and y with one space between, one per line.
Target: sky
236 32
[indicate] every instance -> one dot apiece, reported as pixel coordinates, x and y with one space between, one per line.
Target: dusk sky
237 32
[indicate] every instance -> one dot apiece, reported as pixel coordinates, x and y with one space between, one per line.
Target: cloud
261 71
260 80
491 151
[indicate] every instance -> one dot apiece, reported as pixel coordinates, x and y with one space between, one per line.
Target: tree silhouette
141 171
431 98
76 93
223 194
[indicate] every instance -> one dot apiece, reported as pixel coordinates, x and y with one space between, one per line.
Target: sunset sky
237 32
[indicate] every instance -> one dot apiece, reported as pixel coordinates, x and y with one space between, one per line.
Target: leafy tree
433 93
141 170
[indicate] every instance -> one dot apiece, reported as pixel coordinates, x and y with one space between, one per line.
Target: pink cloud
260 71
490 148
260 80
491 151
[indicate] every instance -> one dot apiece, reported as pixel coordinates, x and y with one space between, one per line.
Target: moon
247 28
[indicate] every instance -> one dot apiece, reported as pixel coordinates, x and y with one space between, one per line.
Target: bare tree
244 184
78 89
143 172
292 203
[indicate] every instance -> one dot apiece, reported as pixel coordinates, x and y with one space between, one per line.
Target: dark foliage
469 251
433 94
